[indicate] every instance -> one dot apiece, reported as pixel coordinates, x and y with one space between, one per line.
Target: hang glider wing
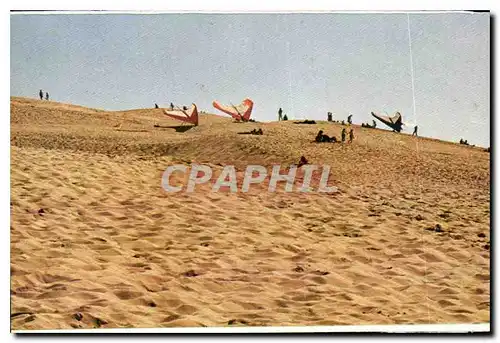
188 116
239 112
394 122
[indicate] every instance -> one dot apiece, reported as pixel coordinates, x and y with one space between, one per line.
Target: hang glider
240 112
395 122
188 116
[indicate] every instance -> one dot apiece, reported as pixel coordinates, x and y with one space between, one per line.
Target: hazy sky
307 64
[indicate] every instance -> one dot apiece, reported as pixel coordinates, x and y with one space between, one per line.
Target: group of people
373 125
281 116
463 142
256 132
41 95
329 117
322 138
171 107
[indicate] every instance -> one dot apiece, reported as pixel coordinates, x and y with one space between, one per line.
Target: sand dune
96 241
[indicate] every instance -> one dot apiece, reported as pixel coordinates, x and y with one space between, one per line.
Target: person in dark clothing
302 161
285 117
156 105
280 114
351 135
307 121
171 106
41 94
46 96
349 119
329 116
415 131
319 136
343 134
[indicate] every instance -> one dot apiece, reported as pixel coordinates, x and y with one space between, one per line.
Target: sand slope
112 249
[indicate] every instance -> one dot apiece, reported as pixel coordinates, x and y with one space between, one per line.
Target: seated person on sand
307 121
321 138
302 161
253 132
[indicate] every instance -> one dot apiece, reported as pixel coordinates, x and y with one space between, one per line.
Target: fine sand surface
97 242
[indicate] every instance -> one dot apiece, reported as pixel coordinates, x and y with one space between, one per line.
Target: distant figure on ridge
46 96
374 124
280 114
343 134
329 116
351 135
285 117
171 106
349 119
156 105
41 94
415 131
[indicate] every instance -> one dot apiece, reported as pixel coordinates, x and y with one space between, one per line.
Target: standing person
415 131
329 116
156 105
280 114
171 106
351 135
46 96
349 119
41 94
343 134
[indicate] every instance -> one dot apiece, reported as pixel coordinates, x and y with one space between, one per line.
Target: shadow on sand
178 128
